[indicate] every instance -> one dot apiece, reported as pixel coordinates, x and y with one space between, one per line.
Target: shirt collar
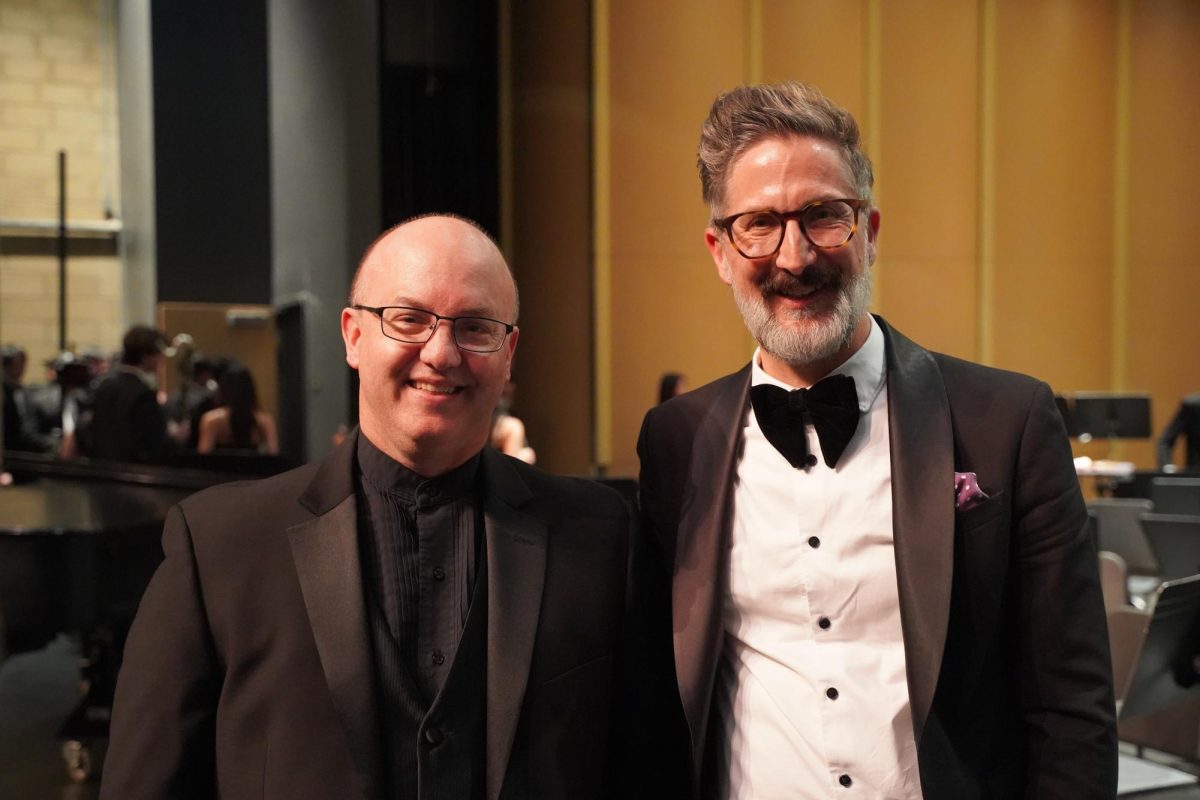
388 475
868 367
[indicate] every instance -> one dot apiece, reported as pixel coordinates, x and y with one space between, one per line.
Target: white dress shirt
811 696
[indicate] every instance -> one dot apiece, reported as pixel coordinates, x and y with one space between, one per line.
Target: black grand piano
79 542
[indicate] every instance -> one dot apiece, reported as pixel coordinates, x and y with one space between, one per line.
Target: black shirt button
434 737
824 623
439 574
438 657
810 460
831 693
814 542
845 781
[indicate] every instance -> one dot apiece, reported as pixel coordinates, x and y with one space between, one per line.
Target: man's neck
428 462
805 375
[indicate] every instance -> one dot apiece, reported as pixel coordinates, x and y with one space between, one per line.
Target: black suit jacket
1000 605
248 671
1187 422
127 423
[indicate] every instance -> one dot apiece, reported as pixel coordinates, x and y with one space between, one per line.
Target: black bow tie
832 404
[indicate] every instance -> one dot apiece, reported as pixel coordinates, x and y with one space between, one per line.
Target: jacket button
824 623
439 574
438 658
433 736
845 781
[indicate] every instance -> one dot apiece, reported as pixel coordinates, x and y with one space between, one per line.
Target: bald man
415 616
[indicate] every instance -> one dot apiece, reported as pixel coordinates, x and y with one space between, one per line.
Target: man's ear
712 240
351 332
872 234
511 346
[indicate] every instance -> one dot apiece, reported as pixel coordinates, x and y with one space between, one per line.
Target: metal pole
62 250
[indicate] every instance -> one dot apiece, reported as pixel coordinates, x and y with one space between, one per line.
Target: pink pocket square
967 493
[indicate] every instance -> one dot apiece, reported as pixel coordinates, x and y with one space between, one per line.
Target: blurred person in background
508 431
127 423
1186 422
237 423
671 385
20 432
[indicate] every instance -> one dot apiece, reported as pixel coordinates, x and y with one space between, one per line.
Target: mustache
782 282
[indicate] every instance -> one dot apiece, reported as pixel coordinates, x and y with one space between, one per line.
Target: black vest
435 751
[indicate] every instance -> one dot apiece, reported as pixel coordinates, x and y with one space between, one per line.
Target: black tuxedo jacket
1000 605
248 671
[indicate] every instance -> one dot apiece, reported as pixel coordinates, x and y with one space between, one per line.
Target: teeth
429 387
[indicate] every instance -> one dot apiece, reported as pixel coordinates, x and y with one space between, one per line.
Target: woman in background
237 423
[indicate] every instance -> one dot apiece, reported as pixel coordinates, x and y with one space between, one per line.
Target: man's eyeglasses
825 223
417 326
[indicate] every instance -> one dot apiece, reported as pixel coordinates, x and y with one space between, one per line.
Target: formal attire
289 647
1186 422
20 432
126 421
963 647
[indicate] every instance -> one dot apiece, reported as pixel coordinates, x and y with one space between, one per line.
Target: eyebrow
473 311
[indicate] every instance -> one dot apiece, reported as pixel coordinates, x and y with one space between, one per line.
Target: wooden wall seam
1121 197
504 133
754 42
602 233
985 345
873 71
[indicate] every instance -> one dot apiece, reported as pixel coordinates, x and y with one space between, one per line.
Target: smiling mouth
434 388
798 294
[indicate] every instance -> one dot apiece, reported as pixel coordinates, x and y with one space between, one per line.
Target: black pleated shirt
418 538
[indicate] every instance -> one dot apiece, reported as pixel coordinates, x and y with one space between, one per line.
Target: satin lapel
516 564
700 557
325 552
922 445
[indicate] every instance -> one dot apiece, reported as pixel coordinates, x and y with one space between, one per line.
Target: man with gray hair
881 579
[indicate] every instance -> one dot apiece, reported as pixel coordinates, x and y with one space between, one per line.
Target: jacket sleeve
161 741
1065 668
650 743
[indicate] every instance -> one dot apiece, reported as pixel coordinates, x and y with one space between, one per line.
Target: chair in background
1145 646
1119 530
1176 495
1175 541
1113 580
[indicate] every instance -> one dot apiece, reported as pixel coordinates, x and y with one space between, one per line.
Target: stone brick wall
57 92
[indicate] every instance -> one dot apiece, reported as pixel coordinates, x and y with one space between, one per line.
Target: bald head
420 237
423 399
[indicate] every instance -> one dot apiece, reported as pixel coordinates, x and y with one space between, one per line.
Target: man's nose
796 252
440 351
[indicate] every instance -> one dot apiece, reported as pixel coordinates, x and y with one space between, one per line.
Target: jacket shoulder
569 495
251 503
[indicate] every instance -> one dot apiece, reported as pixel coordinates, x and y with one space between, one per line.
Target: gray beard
828 331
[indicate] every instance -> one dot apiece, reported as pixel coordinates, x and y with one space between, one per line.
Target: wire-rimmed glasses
417 326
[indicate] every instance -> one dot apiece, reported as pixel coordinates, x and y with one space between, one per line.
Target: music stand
1167 662
1176 495
1175 541
1107 415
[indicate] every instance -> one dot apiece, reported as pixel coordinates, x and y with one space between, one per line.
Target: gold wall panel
927 173
1035 170
1163 286
551 228
669 311
1054 147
